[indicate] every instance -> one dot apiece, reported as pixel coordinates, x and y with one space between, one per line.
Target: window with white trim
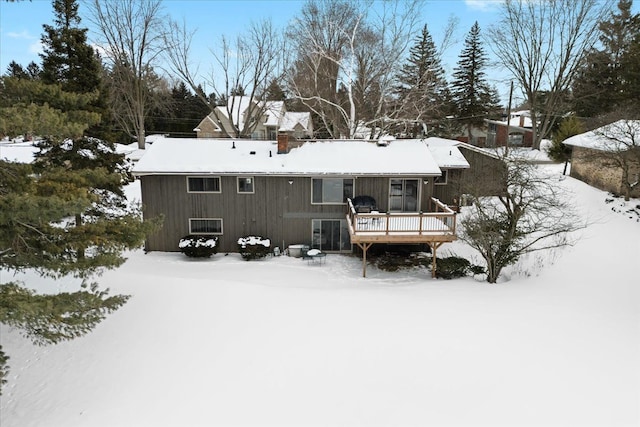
245 185
203 184
205 226
331 190
442 179
404 195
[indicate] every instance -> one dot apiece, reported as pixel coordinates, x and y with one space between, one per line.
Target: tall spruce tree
474 98
67 59
605 80
423 93
66 214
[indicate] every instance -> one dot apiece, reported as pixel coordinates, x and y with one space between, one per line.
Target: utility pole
506 147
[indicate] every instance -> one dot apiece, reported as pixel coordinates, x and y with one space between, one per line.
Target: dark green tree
423 92
18 71
475 100
30 107
67 58
606 79
178 113
274 92
559 152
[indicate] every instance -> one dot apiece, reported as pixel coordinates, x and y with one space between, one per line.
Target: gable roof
617 136
273 111
291 119
170 156
446 153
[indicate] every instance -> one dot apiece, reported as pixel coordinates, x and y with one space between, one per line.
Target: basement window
205 226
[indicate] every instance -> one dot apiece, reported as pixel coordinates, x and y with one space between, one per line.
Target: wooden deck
434 228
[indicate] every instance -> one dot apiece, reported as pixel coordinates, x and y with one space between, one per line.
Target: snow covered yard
280 342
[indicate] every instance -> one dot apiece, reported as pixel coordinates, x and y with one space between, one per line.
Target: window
442 179
245 184
330 235
403 195
205 226
331 190
196 184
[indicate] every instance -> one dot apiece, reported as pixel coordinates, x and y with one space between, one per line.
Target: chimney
283 143
521 120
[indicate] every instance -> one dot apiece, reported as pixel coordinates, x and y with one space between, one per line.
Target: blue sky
21 24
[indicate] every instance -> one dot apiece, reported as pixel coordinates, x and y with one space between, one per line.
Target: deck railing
440 222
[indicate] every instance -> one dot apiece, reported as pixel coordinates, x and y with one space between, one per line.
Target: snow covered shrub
253 247
453 267
199 246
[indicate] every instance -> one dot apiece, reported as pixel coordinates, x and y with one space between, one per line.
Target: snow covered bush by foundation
199 246
453 267
253 247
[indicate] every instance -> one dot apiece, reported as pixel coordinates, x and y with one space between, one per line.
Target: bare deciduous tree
530 214
542 42
243 67
132 32
347 56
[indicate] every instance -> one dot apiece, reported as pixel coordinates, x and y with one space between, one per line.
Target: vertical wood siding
278 210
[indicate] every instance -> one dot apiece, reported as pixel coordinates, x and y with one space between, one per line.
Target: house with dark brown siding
301 195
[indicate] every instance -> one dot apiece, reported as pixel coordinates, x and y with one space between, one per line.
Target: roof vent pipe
233 144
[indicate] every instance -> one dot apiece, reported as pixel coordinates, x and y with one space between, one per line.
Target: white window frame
402 194
442 179
207 233
343 202
205 177
253 185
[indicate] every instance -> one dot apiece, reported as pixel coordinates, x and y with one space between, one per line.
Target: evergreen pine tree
67 213
30 107
474 98
67 58
423 93
559 152
602 83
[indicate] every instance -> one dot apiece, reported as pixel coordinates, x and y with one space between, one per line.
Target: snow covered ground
280 342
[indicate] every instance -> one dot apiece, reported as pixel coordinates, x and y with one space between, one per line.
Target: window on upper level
245 184
201 184
442 179
331 190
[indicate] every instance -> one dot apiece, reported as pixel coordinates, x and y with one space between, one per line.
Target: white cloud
21 35
36 47
482 5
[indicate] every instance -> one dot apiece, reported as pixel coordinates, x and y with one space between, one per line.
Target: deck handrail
442 222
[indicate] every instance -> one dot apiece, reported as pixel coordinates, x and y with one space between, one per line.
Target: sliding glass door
403 195
330 235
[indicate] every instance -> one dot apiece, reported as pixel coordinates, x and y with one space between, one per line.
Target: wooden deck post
434 248
364 247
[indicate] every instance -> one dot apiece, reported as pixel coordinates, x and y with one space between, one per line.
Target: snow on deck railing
441 222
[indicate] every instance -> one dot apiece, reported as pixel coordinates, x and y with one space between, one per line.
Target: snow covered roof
617 136
273 111
515 120
290 119
216 156
446 153
237 105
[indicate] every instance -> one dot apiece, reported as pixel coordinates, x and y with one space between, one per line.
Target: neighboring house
478 135
300 196
274 118
608 158
517 131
